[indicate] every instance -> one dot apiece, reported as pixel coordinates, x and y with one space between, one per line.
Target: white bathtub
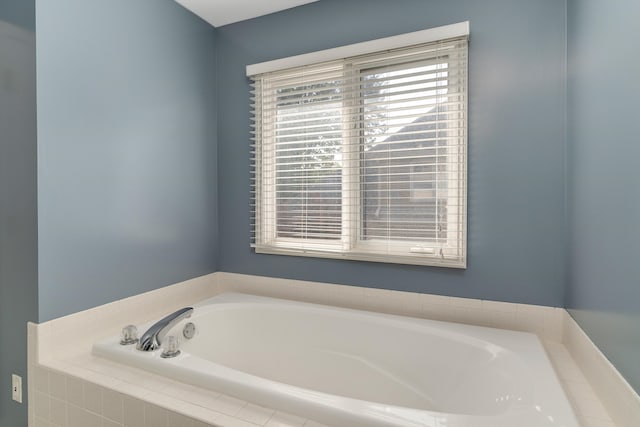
354 368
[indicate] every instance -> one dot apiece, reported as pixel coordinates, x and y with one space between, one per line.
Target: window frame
351 244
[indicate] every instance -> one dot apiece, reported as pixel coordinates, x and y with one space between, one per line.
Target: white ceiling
222 12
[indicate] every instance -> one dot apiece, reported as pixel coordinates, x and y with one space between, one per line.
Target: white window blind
364 157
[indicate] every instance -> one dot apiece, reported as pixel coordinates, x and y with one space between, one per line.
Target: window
364 156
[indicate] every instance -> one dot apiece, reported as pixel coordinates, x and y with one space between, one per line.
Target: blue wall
126 150
516 142
19 13
18 194
603 292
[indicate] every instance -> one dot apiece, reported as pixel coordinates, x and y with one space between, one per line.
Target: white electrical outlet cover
16 388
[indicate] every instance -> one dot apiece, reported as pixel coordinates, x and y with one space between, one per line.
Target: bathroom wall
18 193
19 13
516 142
603 292
126 150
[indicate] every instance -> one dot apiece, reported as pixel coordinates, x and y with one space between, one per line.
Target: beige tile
441 312
198 413
585 401
133 412
499 306
634 410
133 391
228 421
146 380
227 405
106 367
553 324
79 417
58 412
43 350
75 391
503 320
466 302
164 401
182 391
155 416
201 397
530 318
58 385
316 293
385 301
567 369
41 422
113 405
344 296
410 304
255 414
178 420
92 397
470 316
311 423
42 405
431 299
280 419
377 300
41 379
109 423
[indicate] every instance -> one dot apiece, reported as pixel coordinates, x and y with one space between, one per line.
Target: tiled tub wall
614 392
544 321
61 400
68 387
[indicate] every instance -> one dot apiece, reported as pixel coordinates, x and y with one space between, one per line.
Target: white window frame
351 245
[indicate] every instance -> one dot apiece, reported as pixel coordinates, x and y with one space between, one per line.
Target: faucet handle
170 347
129 335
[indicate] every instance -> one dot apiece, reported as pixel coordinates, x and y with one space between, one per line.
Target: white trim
393 42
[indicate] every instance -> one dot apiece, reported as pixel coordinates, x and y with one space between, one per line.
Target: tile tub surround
622 402
70 387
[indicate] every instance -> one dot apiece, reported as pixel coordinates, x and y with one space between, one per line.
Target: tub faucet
152 339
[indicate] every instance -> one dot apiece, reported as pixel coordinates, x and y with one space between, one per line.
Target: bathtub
354 368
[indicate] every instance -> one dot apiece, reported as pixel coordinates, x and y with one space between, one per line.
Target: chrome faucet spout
152 339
